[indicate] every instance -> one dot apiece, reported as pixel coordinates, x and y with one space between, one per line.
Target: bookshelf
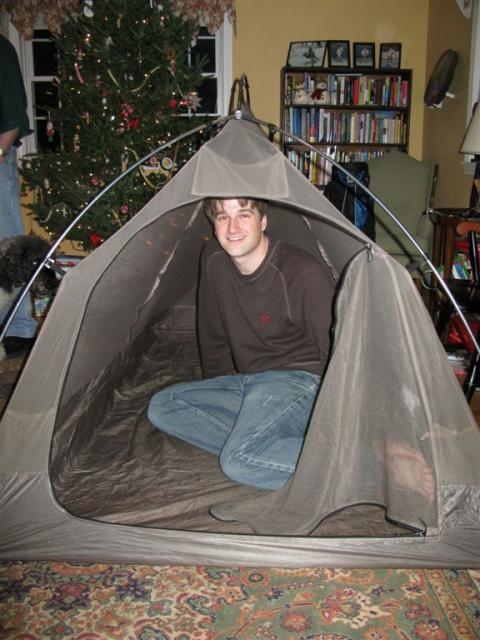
351 114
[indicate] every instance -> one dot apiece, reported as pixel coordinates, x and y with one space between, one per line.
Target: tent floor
110 464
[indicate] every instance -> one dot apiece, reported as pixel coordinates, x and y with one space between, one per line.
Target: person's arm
315 306
7 138
215 351
13 100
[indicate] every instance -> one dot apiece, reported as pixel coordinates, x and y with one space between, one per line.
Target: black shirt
13 100
278 317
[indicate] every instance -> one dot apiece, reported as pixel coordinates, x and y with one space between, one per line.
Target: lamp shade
471 139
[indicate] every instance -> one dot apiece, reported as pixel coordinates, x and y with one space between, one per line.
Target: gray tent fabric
84 477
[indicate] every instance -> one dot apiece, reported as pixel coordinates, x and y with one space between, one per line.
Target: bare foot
408 467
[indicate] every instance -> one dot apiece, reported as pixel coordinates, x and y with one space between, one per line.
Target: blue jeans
23 324
255 423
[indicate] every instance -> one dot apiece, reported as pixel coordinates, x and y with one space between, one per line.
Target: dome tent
85 477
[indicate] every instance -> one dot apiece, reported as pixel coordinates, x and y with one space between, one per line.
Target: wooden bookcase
350 114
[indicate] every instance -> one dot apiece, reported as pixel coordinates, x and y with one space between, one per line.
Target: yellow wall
265 29
444 127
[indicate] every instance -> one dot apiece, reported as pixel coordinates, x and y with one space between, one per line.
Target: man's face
240 233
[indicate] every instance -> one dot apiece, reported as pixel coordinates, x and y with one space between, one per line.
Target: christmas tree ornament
96 239
126 110
172 103
88 9
50 129
167 163
78 73
193 100
133 123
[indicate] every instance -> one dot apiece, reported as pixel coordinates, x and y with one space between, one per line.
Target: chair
467 295
407 187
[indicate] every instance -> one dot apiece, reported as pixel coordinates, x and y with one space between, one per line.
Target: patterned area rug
57 600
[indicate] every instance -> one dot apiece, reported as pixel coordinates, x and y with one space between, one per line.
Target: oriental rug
55 600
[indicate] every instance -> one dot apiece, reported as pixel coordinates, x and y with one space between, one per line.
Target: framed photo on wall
338 53
390 54
307 54
364 54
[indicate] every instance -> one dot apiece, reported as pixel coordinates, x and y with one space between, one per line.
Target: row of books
387 91
313 166
318 169
321 126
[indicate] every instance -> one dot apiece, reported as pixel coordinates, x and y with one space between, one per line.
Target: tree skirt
57 600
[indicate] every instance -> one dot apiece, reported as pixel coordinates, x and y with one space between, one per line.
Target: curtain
23 13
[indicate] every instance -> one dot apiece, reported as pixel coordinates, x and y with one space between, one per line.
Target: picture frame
364 54
307 53
338 53
390 55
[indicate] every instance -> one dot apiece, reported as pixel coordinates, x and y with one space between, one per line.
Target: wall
265 29
444 127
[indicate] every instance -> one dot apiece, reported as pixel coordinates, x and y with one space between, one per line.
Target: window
215 89
40 57
38 62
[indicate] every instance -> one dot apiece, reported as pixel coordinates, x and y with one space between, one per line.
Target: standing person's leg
202 413
23 325
264 446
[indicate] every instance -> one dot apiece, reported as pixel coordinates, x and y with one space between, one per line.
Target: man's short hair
211 206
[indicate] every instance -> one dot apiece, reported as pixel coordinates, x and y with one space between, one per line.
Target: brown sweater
278 317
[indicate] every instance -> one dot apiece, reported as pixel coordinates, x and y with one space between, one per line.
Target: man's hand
7 138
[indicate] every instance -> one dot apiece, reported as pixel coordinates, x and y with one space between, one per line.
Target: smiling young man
264 318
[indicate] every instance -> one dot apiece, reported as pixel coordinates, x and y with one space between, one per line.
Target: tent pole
48 260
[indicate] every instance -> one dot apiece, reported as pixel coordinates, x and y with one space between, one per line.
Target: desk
444 236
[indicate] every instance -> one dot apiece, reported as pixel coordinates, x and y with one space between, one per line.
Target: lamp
471 144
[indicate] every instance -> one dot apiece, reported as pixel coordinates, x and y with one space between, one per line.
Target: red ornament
172 103
124 209
50 130
96 240
133 123
126 110
94 181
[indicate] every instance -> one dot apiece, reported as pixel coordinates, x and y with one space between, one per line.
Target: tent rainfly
390 471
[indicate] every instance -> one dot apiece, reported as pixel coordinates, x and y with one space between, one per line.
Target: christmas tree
127 84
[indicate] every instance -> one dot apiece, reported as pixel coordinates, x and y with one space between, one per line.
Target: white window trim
25 56
224 66
473 81
474 77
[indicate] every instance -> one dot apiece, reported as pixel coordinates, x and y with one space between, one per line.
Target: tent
389 474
